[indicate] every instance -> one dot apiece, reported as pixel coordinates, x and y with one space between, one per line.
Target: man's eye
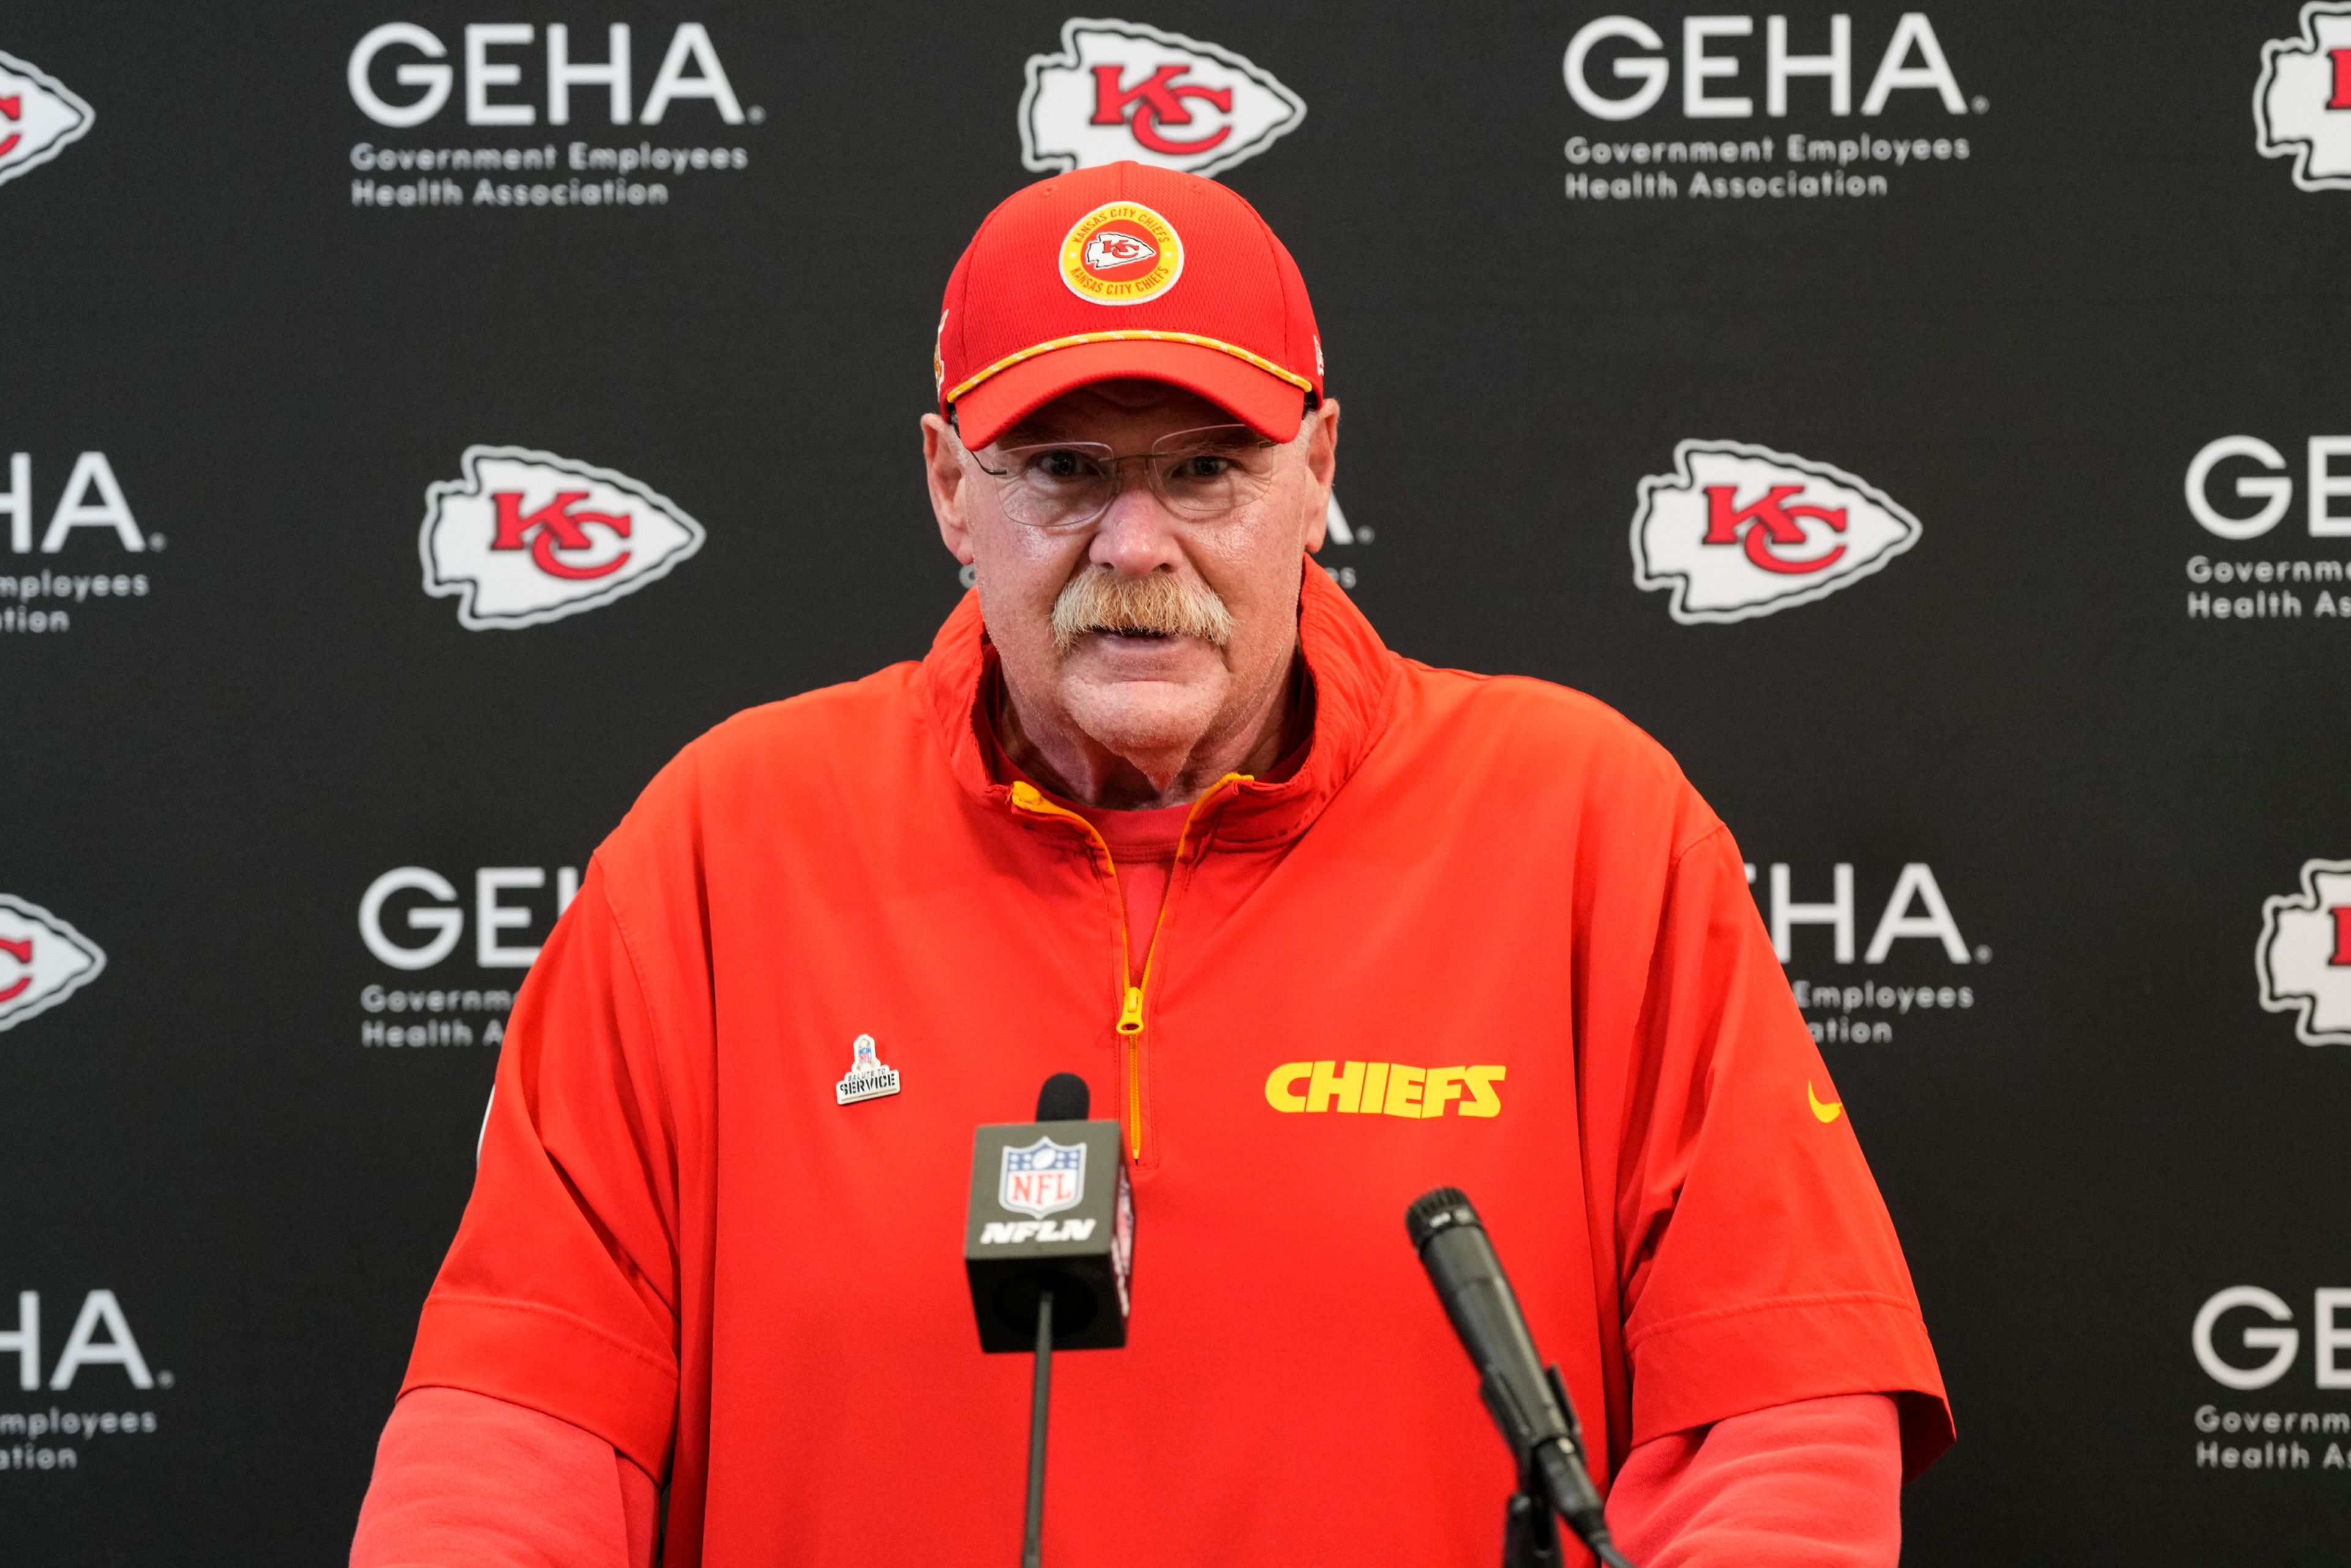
1060 467
1204 465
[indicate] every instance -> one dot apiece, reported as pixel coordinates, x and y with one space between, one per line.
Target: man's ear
1320 437
949 483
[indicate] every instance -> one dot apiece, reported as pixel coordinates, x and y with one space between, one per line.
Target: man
1325 926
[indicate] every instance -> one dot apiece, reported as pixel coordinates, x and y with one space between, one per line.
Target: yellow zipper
1027 797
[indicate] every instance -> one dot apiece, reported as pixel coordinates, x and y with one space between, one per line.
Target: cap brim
1272 407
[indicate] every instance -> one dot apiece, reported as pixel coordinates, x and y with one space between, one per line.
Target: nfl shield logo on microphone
1042 1178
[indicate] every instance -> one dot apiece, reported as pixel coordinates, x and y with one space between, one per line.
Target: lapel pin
867 1078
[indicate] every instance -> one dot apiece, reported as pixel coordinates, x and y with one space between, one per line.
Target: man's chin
1145 705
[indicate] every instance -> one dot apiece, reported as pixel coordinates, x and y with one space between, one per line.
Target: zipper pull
1130 1012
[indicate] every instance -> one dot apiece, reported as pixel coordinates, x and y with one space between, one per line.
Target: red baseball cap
1125 271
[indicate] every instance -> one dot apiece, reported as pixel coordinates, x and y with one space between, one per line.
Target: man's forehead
1104 409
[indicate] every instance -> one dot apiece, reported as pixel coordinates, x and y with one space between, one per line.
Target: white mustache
1099 601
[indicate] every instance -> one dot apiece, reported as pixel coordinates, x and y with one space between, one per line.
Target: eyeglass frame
1116 462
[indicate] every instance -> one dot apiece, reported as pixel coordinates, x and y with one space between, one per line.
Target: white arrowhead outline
56 926
71 100
2304 1003
2300 149
472 483
1060 164
1682 479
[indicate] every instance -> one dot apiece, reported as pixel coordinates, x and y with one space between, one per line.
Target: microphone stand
1041 1401
1531 1534
1531 1529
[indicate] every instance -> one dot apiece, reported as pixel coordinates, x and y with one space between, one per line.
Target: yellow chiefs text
1391 1088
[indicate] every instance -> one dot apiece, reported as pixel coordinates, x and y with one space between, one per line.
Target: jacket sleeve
1816 1484
560 1290
1757 1263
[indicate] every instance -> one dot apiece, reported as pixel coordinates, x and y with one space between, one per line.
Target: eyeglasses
1201 475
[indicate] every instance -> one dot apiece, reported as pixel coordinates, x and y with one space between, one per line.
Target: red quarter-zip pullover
1485 935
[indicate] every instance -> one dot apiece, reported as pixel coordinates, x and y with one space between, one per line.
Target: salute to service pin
867 1078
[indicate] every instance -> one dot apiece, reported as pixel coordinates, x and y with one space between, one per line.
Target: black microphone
1064 1098
1050 1209
1048 1249
1528 1401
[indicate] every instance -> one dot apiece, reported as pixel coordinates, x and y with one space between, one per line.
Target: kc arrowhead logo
2302 106
1120 89
2304 955
527 537
1738 532
38 115
43 960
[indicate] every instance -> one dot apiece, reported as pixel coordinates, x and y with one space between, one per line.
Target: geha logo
1738 532
46 601
2278 587
38 116
46 1437
99 1310
2273 485
2301 105
2246 1338
2329 1309
2304 953
1845 1009
43 960
1121 90
527 537
440 913
509 902
404 77
1719 75
689 69
1913 58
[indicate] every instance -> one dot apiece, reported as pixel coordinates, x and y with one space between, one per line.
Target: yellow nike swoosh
1828 1112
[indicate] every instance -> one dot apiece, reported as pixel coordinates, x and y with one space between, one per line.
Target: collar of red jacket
1354 681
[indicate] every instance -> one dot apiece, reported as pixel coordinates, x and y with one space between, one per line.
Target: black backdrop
2026 348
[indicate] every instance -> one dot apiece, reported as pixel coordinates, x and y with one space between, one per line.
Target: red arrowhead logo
40 116
43 960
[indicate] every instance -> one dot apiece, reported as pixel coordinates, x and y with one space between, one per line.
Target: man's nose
1137 533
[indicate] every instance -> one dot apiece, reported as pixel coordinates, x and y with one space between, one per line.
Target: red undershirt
463 1478
1142 845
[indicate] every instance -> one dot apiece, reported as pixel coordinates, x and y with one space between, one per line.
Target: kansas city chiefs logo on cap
1122 253
1738 531
1108 250
2301 107
526 537
43 960
38 116
1124 90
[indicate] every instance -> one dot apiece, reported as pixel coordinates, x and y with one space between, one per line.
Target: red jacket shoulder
782 759
1534 740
